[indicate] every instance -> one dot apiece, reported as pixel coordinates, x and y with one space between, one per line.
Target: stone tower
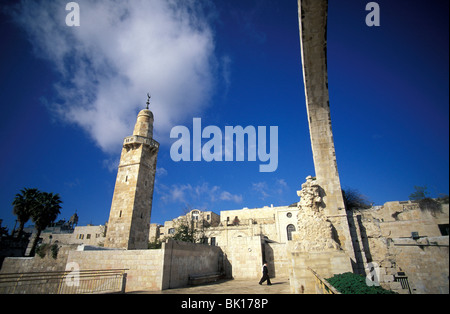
129 218
313 37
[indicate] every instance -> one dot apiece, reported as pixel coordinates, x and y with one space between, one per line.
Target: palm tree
24 204
45 213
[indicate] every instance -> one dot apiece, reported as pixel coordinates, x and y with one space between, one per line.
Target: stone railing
64 282
138 140
322 286
248 222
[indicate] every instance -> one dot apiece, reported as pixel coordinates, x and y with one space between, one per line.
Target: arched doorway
290 229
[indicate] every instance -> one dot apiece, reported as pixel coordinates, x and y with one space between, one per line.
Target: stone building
199 220
88 235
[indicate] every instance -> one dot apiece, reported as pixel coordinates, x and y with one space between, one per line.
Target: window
213 241
172 231
444 229
290 229
88 236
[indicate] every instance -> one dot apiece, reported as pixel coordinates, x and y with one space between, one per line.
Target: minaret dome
144 124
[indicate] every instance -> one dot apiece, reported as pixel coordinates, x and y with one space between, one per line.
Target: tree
185 233
155 245
420 193
443 198
426 203
24 204
3 231
45 212
353 199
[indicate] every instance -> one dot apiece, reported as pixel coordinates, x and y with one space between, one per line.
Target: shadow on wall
225 266
268 256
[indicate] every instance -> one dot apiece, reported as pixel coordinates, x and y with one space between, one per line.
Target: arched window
290 229
195 214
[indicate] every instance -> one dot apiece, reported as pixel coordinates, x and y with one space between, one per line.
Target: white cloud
227 196
262 189
281 186
226 72
120 51
265 191
111 164
161 172
202 195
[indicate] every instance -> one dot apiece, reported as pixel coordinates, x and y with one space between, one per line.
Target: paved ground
279 286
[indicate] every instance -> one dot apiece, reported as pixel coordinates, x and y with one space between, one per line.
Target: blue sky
69 95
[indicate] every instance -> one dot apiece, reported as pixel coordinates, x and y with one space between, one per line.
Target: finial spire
148 99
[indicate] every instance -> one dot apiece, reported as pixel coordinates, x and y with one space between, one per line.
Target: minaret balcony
136 140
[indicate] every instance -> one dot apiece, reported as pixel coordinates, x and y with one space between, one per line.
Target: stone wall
424 262
151 270
36 263
154 270
265 212
144 267
278 260
326 264
386 241
182 259
243 257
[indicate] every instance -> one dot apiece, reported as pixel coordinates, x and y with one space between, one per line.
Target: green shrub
54 249
155 245
349 283
41 250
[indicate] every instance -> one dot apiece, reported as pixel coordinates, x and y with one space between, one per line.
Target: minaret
129 218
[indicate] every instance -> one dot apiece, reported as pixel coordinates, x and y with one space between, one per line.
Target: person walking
265 275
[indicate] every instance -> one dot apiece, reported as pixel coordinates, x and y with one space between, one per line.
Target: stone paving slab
239 286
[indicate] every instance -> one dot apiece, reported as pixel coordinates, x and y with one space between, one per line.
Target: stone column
313 37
